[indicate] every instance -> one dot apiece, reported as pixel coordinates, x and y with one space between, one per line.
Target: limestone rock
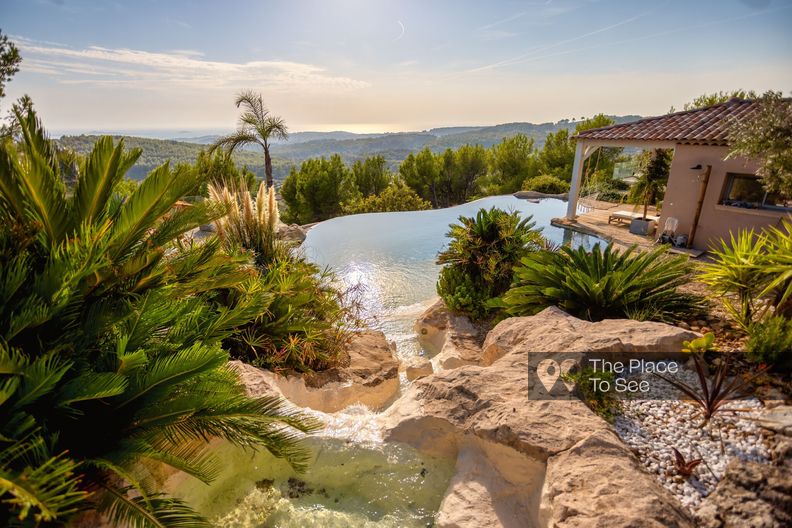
598 482
554 330
291 233
531 462
369 377
418 367
453 339
750 494
257 382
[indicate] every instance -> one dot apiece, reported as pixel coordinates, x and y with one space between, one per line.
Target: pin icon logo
548 371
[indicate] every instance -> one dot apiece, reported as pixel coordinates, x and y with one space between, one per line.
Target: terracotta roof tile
707 126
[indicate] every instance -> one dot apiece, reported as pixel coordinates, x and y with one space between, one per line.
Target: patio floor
595 222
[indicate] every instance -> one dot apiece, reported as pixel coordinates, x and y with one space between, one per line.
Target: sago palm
602 283
110 339
256 126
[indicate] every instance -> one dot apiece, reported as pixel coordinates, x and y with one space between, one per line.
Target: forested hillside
158 151
395 147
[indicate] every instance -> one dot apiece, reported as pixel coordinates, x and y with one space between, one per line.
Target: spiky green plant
110 341
752 273
602 284
477 265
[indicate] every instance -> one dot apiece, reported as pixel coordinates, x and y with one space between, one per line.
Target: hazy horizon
376 67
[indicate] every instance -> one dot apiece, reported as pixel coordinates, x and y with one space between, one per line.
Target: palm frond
157 511
103 169
46 488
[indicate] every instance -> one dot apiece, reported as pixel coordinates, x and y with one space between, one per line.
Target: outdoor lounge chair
620 216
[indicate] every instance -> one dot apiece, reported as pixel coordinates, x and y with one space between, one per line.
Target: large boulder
522 461
453 340
370 376
554 330
750 494
291 233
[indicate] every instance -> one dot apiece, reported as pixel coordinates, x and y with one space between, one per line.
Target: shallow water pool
391 256
348 485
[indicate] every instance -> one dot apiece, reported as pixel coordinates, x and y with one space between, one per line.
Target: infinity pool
391 256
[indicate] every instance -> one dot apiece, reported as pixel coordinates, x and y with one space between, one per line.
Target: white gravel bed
652 427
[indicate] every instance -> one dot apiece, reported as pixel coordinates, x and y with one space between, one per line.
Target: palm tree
256 125
111 341
652 179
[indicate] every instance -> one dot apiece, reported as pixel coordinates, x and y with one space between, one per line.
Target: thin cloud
99 65
532 53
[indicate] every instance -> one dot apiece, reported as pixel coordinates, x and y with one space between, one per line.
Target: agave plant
110 341
602 283
480 257
752 273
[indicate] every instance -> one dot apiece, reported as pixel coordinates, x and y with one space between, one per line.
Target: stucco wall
716 221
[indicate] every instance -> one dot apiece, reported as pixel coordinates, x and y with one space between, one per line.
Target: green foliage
446 179
111 326
752 273
371 175
557 157
770 342
256 127
709 99
397 196
126 187
766 135
480 256
155 152
546 184
700 345
9 61
654 167
602 284
220 169
512 161
317 190
303 326
589 388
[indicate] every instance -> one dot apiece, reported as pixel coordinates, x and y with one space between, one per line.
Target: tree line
321 188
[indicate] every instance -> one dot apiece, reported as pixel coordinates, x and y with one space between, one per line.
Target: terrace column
577 177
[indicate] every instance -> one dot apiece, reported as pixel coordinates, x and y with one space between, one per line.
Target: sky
377 66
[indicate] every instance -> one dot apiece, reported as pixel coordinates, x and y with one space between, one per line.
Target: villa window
745 190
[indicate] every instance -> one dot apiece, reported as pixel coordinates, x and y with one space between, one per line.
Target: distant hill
158 151
393 146
396 146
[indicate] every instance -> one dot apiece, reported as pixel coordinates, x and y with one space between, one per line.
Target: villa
708 194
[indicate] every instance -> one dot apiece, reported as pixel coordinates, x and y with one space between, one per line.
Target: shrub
770 342
752 273
602 283
305 324
110 341
397 196
546 184
305 321
482 253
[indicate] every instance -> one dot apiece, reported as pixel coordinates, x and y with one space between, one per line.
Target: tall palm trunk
268 166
